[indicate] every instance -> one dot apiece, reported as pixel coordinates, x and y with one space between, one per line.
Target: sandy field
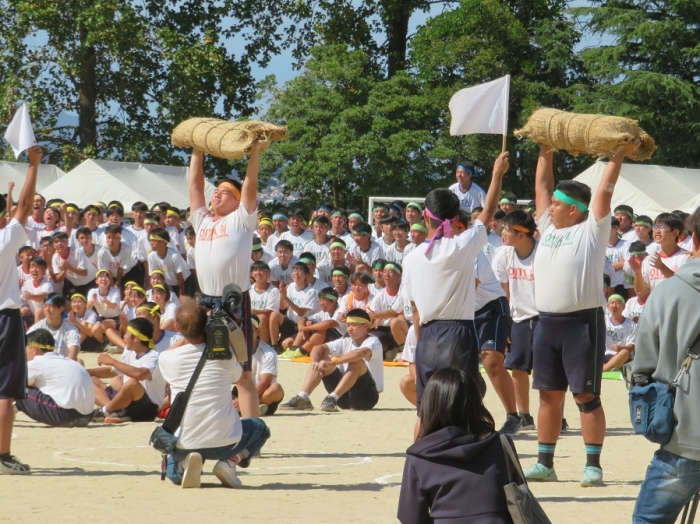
316 468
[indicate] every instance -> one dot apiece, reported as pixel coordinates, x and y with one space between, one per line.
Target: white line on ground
384 482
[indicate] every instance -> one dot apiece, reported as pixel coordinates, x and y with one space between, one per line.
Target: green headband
328 296
307 260
336 212
378 265
393 266
638 252
338 272
418 227
624 212
338 244
616 297
416 205
559 195
643 223
356 215
506 200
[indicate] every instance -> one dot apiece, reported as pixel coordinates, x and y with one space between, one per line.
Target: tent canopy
650 190
17 172
128 182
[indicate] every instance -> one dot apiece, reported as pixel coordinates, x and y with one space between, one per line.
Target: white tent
650 190
17 172
128 182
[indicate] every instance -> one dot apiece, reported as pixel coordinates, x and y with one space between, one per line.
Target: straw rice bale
224 139
590 134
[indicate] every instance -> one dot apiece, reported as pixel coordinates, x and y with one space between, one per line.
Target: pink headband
444 228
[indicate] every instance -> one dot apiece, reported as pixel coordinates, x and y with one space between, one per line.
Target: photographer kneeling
211 428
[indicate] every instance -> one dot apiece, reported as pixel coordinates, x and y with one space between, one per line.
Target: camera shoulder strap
179 404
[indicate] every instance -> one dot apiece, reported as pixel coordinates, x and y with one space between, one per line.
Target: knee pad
589 406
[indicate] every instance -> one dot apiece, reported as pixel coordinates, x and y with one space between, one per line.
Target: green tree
647 69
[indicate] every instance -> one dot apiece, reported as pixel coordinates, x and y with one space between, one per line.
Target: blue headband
325 208
462 166
279 216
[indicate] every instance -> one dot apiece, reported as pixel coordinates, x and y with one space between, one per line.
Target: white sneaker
192 471
225 471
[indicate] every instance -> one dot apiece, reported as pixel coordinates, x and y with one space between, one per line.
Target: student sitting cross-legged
353 380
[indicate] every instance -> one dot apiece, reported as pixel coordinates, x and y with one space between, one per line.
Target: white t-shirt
403 305
687 244
90 317
474 197
620 251
169 313
621 334
633 309
627 275
264 362
320 251
76 258
383 301
653 276
374 252
222 251
65 336
409 348
449 266
384 244
155 386
394 254
113 295
320 285
489 288
173 297
349 302
375 363
90 264
272 241
280 274
64 380
171 265
111 262
630 236
267 300
127 237
167 339
519 274
324 270
494 244
210 420
12 237
191 264
29 287
569 265
322 316
298 241
303 298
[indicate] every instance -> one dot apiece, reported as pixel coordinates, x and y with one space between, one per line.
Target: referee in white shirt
13 358
222 251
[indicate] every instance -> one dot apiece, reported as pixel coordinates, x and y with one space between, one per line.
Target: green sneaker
592 476
540 473
292 352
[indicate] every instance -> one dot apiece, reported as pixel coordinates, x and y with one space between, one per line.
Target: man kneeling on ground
60 390
353 380
211 428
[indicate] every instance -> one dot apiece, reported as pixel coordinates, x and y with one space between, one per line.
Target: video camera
224 327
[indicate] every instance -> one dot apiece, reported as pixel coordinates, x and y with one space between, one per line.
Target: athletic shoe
511 425
540 473
263 409
12 466
115 418
592 476
526 421
329 404
98 415
297 403
292 352
192 471
225 471
113 350
564 426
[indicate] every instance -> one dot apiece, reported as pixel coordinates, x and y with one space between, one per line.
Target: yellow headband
100 271
72 208
41 346
231 188
154 311
172 213
158 286
139 289
130 283
150 221
256 323
356 320
157 238
266 222
78 295
157 272
140 336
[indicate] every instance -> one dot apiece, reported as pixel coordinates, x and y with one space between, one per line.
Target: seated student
301 301
281 267
264 299
211 428
310 260
407 384
59 390
390 326
158 277
297 235
160 294
320 244
162 338
358 298
90 250
26 253
85 321
34 291
638 251
634 307
365 249
68 264
620 334
386 240
105 299
259 252
320 327
134 298
117 257
418 234
396 251
169 261
264 369
338 258
339 278
377 286
65 334
354 380
137 388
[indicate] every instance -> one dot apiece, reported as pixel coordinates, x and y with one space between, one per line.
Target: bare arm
196 180
249 191
604 193
544 179
25 204
10 203
416 319
494 193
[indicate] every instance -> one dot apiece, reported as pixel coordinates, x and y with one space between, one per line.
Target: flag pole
506 103
503 144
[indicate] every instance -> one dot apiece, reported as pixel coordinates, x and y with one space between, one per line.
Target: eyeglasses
660 226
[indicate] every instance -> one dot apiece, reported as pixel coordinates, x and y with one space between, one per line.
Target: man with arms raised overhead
222 251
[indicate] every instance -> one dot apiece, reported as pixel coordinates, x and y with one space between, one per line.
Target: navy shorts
13 356
519 355
143 410
493 323
445 344
42 408
383 334
568 351
362 396
288 329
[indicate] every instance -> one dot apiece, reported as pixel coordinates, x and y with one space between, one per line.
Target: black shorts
135 274
362 396
13 358
333 334
568 351
445 344
42 408
288 329
383 334
85 288
493 323
519 356
143 410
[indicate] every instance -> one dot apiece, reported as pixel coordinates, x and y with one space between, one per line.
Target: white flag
19 133
481 109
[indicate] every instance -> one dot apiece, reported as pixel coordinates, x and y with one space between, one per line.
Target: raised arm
249 191
544 179
196 180
604 193
500 167
25 203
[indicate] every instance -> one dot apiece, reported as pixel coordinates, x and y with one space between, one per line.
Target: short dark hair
522 219
636 246
576 190
55 299
363 277
643 218
379 262
84 231
297 212
625 209
323 220
328 291
361 313
499 214
38 261
442 203
303 267
189 232
362 228
309 255
113 229
59 235
139 206
259 264
41 336
388 220
452 398
144 326
24 249
285 244
402 225
343 269
670 220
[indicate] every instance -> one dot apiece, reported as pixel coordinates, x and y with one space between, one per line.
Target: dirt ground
317 467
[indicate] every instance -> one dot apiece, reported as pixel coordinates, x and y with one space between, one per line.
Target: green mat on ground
612 375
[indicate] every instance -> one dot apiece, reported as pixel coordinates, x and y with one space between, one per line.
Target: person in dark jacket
456 470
